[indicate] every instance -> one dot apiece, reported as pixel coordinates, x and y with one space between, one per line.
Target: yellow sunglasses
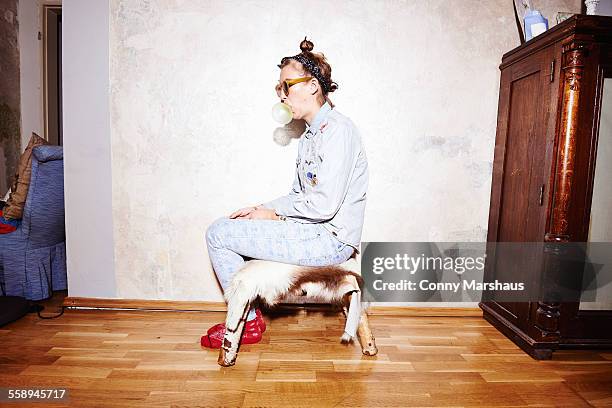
288 83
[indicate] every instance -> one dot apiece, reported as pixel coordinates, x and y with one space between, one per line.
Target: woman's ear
314 86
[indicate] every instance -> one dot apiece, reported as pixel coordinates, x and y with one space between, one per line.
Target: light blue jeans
230 240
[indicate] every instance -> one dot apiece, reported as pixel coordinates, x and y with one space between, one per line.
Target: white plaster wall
604 8
600 223
87 155
192 137
600 229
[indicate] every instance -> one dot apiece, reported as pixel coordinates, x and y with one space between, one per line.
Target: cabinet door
520 171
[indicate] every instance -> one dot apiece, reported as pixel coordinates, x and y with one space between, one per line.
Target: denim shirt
331 178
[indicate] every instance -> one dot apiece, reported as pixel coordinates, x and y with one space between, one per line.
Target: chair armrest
47 153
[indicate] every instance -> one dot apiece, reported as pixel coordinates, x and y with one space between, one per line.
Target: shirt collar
318 119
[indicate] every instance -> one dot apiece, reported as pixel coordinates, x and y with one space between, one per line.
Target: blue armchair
33 257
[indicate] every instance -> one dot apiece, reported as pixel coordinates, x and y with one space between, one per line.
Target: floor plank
120 358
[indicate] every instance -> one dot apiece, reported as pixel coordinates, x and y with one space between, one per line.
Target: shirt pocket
310 167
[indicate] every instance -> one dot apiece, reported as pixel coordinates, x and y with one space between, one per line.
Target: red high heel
259 318
251 335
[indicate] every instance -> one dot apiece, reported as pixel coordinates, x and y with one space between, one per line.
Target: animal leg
352 311
366 338
237 311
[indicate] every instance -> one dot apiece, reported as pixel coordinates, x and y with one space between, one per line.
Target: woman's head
305 81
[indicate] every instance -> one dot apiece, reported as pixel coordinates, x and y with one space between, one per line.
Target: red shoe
259 318
214 338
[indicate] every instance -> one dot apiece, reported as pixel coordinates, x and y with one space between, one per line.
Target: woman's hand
243 212
263 214
255 213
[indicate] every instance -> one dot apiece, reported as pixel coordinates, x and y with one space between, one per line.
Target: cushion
7 226
19 190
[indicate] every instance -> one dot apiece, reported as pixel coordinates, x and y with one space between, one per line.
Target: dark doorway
52 73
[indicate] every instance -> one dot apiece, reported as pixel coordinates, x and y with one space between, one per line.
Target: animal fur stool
275 282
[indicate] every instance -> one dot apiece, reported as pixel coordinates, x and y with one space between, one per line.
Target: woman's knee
214 232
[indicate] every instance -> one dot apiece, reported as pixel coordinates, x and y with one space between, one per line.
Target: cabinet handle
541 199
552 71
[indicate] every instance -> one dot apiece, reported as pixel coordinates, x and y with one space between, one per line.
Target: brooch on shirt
310 172
312 178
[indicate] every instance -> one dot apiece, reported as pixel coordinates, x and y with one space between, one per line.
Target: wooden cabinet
549 110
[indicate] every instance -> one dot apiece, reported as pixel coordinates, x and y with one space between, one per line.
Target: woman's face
301 94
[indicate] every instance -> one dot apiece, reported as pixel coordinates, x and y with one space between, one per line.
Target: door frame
45 6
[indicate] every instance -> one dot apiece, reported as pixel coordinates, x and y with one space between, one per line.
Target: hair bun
306 46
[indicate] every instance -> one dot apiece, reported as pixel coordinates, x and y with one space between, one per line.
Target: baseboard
101 303
175 305
424 311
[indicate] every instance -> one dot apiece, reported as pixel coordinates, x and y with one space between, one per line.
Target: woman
320 221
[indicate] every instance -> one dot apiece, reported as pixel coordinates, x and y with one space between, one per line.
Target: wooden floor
119 358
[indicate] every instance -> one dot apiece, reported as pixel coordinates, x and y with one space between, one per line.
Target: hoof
222 361
370 349
346 339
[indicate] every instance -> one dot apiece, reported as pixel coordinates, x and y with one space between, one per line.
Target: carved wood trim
547 314
574 54
547 321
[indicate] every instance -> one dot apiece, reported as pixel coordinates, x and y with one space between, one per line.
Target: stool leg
234 326
366 338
